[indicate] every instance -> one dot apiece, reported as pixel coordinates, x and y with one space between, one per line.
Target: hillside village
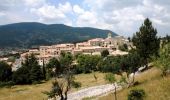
96 67
79 50
92 47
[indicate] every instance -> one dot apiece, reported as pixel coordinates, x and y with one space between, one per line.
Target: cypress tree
146 41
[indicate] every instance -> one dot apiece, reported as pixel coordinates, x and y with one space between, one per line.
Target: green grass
156 87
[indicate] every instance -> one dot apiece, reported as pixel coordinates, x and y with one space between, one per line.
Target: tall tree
30 71
146 41
35 73
53 67
5 72
66 60
21 76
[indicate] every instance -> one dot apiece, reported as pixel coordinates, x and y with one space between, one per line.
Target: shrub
136 94
104 53
6 84
76 84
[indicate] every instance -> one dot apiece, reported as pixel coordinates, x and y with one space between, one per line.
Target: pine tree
53 64
35 73
5 72
146 41
30 72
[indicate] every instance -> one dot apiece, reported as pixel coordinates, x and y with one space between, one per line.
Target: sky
121 16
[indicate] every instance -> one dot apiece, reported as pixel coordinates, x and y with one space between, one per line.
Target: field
34 92
155 87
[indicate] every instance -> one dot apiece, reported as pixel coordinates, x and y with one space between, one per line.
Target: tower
109 35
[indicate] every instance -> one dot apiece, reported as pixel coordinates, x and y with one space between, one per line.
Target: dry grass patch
25 92
156 87
34 92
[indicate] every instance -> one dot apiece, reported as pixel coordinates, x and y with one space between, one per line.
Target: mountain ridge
28 34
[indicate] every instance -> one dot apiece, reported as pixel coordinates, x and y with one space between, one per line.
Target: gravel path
92 91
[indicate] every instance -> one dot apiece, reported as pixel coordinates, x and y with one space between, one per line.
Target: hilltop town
92 47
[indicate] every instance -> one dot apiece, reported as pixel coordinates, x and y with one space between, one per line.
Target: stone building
92 46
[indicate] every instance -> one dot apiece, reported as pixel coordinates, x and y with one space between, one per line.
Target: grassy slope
156 87
33 92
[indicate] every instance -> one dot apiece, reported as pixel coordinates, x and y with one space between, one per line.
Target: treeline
29 73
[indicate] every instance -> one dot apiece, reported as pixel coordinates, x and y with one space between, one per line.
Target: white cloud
54 14
126 16
86 19
2 14
77 9
48 11
34 3
65 8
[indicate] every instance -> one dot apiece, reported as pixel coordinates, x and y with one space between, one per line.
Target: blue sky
121 16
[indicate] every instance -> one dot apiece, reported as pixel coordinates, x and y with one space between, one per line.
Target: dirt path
92 91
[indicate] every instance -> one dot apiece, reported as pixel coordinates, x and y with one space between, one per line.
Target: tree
136 94
87 63
21 76
44 72
129 39
123 47
60 87
165 40
110 64
66 60
111 79
130 64
53 67
29 72
146 41
5 72
36 74
105 53
163 61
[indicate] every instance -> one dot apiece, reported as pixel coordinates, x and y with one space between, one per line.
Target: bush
104 53
123 47
6 84
136 94
76 84
77 69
